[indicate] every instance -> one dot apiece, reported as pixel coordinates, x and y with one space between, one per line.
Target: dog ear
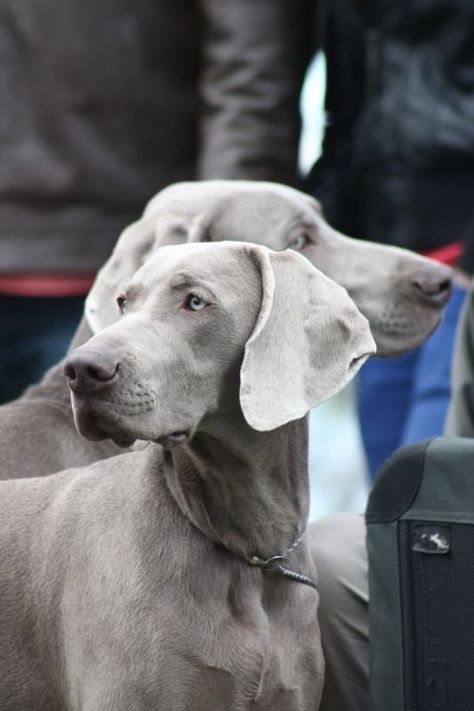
308 342
136 243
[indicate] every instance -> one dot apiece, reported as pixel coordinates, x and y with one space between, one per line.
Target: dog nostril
435 284
86 371
102 373
445 286
70 372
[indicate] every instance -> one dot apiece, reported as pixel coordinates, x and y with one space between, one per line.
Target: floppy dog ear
136 243
308 342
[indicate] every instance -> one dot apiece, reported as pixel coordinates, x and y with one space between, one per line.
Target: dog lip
359 360
174 439
179 436
363 356
91 429
121 440
87 424
411 330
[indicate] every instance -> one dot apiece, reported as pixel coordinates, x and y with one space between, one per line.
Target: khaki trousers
338 546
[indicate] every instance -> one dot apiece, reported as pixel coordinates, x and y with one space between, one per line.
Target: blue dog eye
195 303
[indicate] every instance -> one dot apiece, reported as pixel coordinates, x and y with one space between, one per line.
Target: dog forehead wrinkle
182 280
161 262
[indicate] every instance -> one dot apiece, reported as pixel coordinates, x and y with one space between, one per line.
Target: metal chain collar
275 564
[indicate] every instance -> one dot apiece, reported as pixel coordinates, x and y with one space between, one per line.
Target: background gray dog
400 293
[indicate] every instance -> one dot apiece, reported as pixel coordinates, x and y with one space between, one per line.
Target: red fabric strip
449 254
25 284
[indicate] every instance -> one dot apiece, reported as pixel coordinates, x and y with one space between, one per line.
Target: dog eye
122 303
194 302
298 243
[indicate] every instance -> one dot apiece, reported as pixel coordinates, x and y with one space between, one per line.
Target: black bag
420 540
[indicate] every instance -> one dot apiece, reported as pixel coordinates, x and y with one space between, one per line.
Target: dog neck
244 489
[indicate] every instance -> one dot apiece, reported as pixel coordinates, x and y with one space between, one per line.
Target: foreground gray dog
139 582
400 293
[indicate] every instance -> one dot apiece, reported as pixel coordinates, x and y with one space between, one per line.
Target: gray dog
400 293
178 577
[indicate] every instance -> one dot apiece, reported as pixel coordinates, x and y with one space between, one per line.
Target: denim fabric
402 400
34 334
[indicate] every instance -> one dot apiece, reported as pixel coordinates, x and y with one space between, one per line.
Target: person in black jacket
398 167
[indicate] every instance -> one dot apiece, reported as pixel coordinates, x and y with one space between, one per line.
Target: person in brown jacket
103 105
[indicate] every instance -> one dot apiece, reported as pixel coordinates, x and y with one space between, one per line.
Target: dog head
226 329
401 293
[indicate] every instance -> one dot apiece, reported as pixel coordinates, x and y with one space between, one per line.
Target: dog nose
88 370
434 283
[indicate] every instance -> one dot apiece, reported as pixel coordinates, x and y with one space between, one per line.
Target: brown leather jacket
104 103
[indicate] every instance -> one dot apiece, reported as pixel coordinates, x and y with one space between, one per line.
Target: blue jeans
405 399
34 334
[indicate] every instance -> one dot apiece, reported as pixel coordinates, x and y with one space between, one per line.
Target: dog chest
230 651
208 665
207 644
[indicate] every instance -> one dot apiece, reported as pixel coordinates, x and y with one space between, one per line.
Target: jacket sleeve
255 53
460 417
331 179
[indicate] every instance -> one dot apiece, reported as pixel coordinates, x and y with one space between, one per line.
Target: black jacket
104 103
404 146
